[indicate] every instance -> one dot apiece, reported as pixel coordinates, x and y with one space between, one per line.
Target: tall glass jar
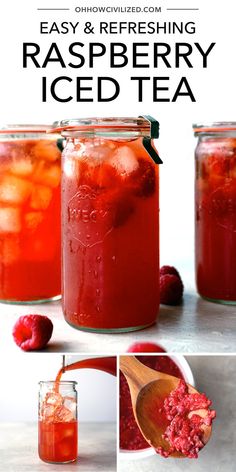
57 426
216 211
30 176
110 223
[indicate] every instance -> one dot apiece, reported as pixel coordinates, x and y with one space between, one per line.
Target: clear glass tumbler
57 426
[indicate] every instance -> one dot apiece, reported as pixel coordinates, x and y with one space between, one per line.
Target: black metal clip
147 140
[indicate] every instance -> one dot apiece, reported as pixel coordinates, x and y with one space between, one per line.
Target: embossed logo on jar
222 206
88 221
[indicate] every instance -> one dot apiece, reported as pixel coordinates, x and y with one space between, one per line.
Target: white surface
19 388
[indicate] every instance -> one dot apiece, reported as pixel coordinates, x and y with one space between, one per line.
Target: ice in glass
30 177
216 212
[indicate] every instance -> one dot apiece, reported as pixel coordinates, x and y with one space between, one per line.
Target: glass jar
216 211
110 223
57 426
30 176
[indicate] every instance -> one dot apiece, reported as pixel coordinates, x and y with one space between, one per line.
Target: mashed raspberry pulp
184 432
130 435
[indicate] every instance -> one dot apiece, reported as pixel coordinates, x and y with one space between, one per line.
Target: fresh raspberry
171 289
32 332
145 347
169 270
118 204
144 178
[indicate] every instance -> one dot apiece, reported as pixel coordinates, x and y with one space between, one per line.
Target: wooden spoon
148 389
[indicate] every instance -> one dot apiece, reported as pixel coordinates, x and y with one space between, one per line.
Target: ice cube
64 415
70 168
6 149
96 151
10 220
47 174
10 249
53 398
52 176
47 412
68 432
46 149
41 197
22 167
33 219
124 161
14 190
70 404
66 447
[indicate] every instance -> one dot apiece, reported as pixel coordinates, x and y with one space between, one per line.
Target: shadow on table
96 462
173 314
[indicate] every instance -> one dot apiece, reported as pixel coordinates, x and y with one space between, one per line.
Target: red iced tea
57 427
110 231
29 216
58 441
216 214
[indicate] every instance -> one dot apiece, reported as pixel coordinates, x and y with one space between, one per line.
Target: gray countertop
18 449
216 376
194 326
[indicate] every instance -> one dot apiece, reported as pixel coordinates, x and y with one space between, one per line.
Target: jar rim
24 128
142 124
214 127
61 382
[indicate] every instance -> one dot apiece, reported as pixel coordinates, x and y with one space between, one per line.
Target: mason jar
30 175
110 223
215 240
57 425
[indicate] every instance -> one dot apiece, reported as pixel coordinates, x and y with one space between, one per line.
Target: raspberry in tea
109 225
29 214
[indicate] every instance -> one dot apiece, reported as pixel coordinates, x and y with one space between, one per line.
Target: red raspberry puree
185 434
130 435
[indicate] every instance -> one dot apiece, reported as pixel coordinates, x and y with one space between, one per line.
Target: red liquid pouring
58 439
105 364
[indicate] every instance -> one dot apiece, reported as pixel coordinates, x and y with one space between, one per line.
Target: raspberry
144 178
145 347
32 332
169 270
171 289
118 204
